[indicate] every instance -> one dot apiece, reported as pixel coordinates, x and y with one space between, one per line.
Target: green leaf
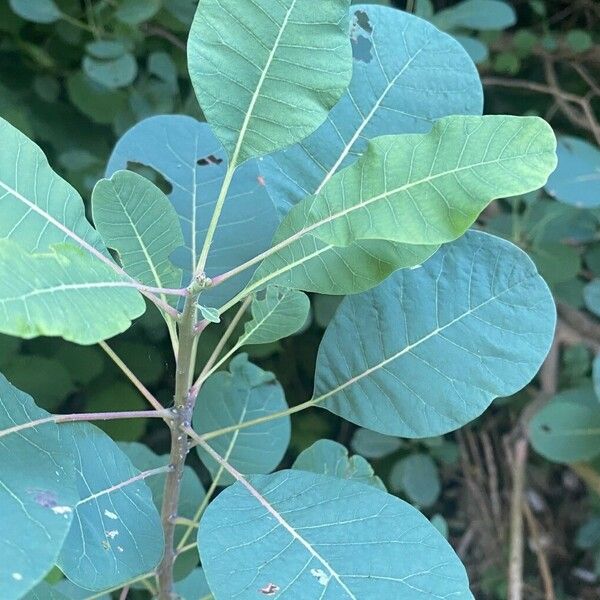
113 73
137 220
63 293
39 11
310 536
116 533
417 475
331 458
243 394
473 323
39 208
556 262
37 493
281 66
414 189
566 432
482 15
277 314
192 163
428 189
575 180
579 40
371 444
134 12
406 75
313 266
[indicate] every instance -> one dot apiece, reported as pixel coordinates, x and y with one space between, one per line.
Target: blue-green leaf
591 296
577 177
481 15
116 534
303 535
192 161
371 444
113 73
38 11
417 475
38 492
134 12
137 220
406 75
331 458
243 394
473 323
266 73
194 586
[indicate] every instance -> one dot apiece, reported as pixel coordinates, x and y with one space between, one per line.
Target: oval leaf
39 208
280 65
566 432
137 220
577 175
302 535
406 75
473 323
63 293
331 458
248 393
278 314
193 163
116 533
38 492
428 189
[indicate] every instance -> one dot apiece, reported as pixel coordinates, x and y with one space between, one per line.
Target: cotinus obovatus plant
344 153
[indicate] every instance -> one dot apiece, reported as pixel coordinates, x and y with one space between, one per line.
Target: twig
542 561
515 566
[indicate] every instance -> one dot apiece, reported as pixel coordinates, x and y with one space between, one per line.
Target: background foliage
76 75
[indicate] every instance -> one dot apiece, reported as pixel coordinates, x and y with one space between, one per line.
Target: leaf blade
263 57
63 293
450 336
313 539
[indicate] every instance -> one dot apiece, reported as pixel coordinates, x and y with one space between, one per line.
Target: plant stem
131 376
214 221
251 423
181 417
72 418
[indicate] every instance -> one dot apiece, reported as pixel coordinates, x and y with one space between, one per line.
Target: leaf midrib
259 85
414 345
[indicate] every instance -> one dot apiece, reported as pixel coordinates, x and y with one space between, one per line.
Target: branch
515 566
72 418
